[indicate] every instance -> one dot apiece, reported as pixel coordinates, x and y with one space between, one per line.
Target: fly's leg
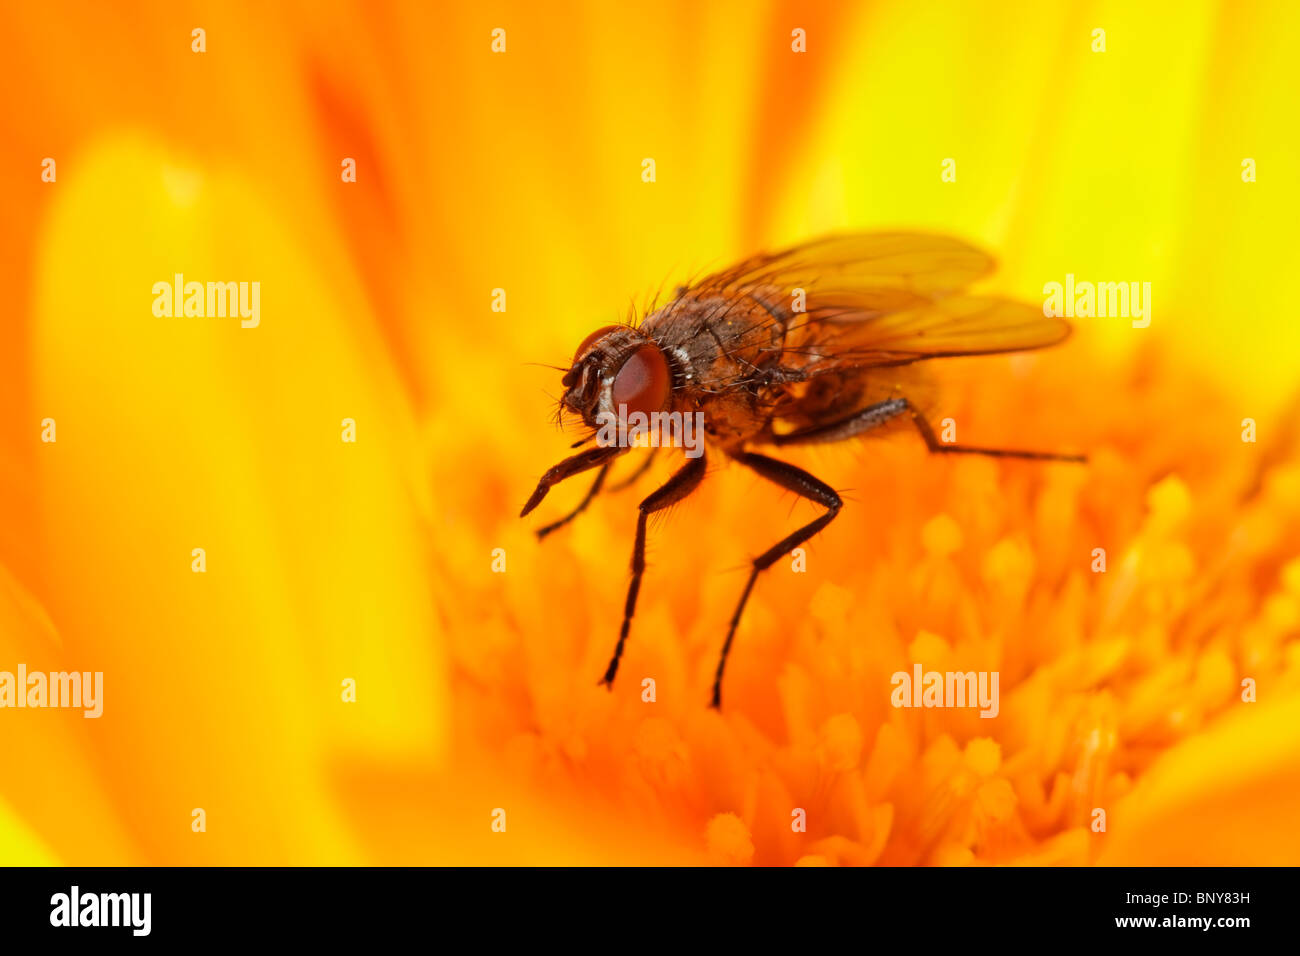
873 416
594 490
682 483
806 486
637 475
575 465
932 442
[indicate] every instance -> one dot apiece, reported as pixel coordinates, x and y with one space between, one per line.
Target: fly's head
617 370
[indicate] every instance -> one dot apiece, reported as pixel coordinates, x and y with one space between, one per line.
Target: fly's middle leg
806 486
685 480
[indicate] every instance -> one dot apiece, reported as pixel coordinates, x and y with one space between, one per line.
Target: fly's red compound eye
591 339
643 383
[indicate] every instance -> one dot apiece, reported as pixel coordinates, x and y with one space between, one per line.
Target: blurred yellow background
521 171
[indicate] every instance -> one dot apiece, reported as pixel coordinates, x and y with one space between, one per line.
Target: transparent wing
873 299
922 264
843 335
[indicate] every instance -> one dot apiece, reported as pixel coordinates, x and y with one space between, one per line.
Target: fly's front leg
682 483
638 474
583 461
594 490
806 486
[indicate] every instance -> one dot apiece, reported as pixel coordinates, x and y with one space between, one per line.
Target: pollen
983 756
941 536
728 840
841 743
928 647
1170 503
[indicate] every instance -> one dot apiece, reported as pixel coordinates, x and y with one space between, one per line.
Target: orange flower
372 561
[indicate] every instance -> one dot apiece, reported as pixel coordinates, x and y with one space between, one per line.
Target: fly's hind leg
932 442
806 486
873 416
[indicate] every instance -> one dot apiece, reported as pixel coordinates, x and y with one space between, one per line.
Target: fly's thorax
721 341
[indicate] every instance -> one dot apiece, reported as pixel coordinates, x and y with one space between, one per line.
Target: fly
820 343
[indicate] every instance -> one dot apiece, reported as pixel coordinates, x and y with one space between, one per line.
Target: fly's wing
849 362
863 263
841 336
874 299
